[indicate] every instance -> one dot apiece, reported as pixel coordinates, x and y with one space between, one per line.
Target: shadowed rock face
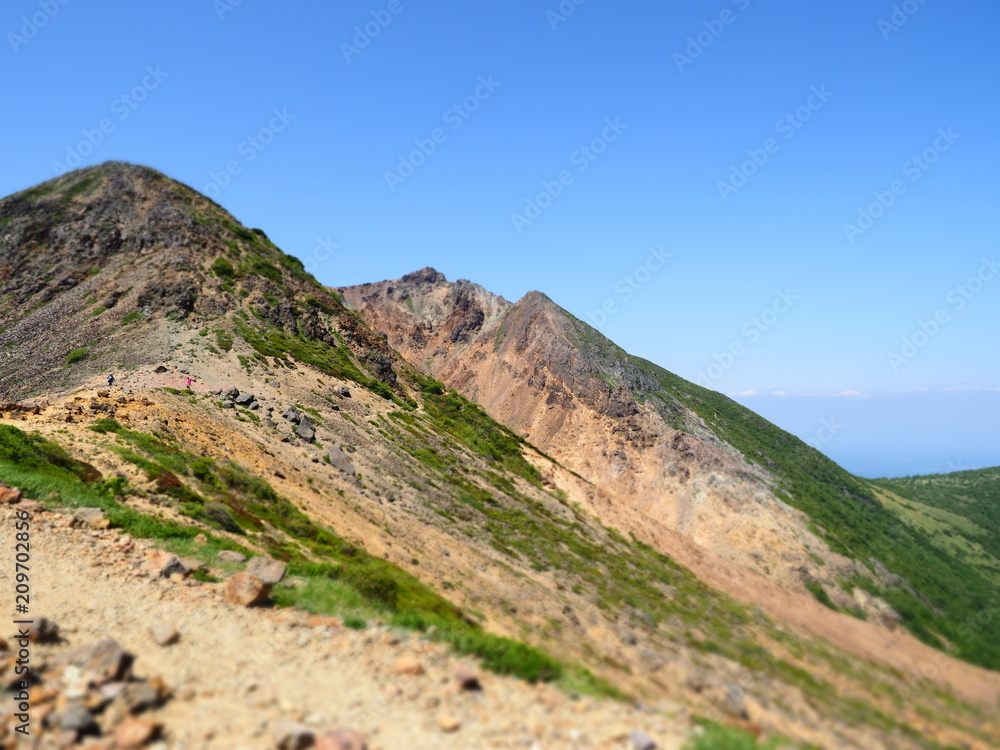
583 400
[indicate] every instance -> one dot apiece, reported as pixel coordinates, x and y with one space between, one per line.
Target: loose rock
641 740
266 569
230 556
164 633
306 430
134 733
409 665
10 495
342 739
43 630
290 735
449 723
101 662
466 677
339 460
92 518
246 590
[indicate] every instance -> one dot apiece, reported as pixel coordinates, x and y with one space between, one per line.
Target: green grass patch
223 269
76 356
714 736
224 339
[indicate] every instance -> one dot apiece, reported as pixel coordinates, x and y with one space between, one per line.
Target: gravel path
236 673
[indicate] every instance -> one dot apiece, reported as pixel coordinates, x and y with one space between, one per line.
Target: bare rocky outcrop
581 399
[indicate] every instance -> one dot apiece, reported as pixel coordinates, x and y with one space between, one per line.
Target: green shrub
105 426
262 268
820 593
716 737
376 585
223 269
224 339
223 517
77 355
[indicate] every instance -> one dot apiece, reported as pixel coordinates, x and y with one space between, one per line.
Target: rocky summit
412 514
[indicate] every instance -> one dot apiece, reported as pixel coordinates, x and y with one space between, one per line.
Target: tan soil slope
666 672
519 362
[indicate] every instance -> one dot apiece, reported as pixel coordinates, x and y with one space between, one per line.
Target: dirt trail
236 672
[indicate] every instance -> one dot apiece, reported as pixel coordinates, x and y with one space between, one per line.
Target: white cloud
843 394
751 392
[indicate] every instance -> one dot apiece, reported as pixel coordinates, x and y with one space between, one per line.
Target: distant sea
894 435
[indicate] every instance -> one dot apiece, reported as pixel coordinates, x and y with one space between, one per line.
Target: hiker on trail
189 384
111 380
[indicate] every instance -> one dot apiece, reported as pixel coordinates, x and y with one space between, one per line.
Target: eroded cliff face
581 399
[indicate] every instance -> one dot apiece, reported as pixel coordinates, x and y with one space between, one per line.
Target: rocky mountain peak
425 276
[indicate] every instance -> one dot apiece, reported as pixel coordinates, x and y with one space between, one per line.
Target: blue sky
811 186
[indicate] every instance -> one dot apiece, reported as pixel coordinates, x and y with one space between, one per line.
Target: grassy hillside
959 513
941 590
339 578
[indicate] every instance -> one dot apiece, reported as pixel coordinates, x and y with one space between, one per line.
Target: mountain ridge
346 459
833 544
